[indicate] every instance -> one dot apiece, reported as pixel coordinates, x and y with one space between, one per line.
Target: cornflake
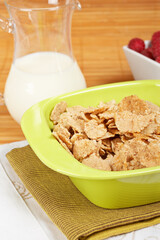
94 130
111 136
83 148
57 111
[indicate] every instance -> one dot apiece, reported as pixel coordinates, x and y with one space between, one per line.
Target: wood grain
99 31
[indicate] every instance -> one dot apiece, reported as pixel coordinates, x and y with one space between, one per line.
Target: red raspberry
156 40
155 36
136 44
156 49
149 49
158 59
147 52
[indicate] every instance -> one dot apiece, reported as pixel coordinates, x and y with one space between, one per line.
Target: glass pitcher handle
6 24
78 5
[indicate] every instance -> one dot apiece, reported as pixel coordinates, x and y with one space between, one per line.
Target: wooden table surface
99 31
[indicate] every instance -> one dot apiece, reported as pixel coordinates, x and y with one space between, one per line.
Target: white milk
38 76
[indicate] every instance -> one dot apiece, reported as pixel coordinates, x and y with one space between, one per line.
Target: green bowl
106 189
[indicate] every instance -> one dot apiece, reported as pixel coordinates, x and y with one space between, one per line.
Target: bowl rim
38 134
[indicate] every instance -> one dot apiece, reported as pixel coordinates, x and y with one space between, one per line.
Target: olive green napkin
74 215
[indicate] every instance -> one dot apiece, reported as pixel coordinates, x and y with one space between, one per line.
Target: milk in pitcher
38 76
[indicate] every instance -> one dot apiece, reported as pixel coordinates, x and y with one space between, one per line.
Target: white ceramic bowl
142 67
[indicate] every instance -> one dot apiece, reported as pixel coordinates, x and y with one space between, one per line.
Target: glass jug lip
52 5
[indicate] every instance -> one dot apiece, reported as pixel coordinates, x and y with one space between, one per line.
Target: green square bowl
105 189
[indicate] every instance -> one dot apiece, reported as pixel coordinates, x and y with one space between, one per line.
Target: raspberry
156 40
158 59
147 52
136 44
155 36
149 49
156 49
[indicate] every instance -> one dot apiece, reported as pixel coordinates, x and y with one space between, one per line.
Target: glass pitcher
43 63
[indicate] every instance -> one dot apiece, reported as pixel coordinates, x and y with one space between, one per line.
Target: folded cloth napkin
74 215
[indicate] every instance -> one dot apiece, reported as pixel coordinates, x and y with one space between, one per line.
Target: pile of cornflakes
111 136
